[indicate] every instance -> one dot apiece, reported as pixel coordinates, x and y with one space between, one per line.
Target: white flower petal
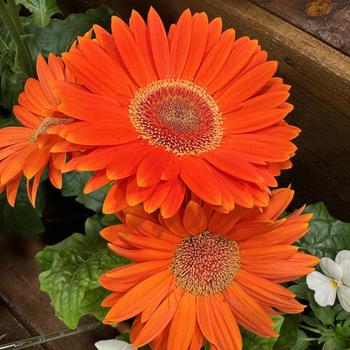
316 280
331 269
325 292
344 297
113 344
345 266
342 256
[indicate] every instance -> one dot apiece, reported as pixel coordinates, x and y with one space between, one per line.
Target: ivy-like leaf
302 343
254 342
71 270
41 10
12 72
327 235
23 219
59 35
73 186
289 333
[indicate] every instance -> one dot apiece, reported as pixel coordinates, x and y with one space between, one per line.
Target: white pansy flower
335 281
113 344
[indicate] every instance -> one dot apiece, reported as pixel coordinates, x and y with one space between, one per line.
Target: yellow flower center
178 115
46 124
205 263
335 284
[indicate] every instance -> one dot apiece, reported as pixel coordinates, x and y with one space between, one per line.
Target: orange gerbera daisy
26 150
199 273
190 109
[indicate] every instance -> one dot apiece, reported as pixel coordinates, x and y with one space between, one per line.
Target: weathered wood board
30 311
327 20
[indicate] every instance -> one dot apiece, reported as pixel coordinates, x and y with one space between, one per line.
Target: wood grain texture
19 290
11 330
328 20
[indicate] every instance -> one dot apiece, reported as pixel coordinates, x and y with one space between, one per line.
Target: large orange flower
198 274
190 109
26 150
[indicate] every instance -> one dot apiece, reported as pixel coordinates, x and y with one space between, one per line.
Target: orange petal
45 77
180 44
198 176
132 156
130 53
237 59
215 59
159 43
195 220
248 312
33 164
159 320
142 39
12 189
14 134
151 167
116 198
96 181
247 85
138 298
149 228
174 199
198 45
158 197
136 194
279 201
233 164
26 118
214 33
183 324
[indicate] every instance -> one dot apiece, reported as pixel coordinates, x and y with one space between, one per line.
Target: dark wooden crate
320 76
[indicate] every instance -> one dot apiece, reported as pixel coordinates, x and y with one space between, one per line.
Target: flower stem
12 22
314 330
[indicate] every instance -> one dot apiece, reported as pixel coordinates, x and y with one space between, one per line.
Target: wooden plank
19 290
327 20
11 330
319 74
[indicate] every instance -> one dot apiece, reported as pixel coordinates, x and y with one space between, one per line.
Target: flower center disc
206 263
46 124
178 115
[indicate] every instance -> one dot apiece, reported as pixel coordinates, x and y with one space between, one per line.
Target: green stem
15 30
314 330
309 339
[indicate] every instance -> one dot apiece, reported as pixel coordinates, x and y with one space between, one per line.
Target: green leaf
59 35
334 344
8 121
23 219
71 270
12 72
327 235
343 315
300 289
325 314
289 332
254 342
73 186
41 10
302 343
